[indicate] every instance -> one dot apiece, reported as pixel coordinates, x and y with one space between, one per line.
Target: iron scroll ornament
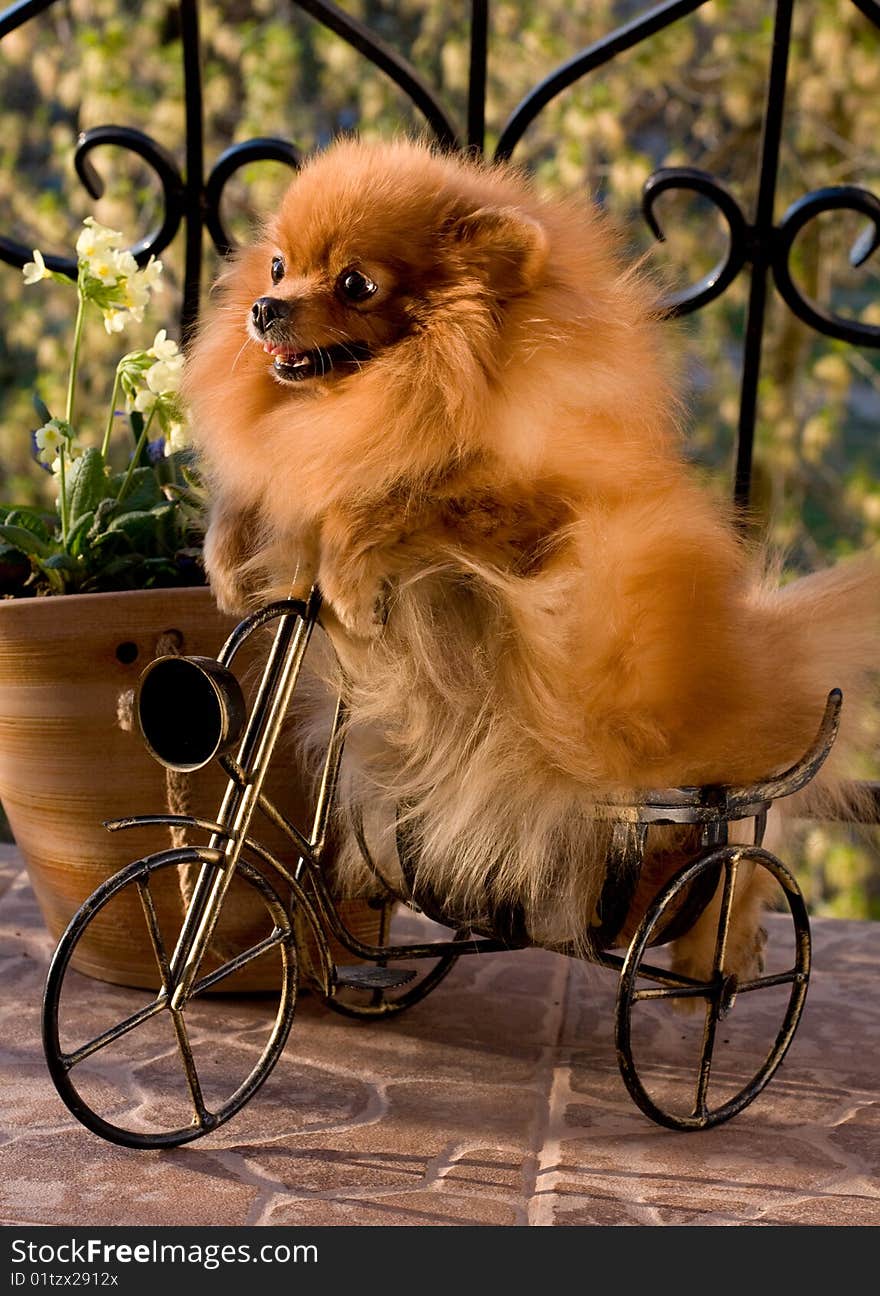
761 244
173 189
198 201
746 245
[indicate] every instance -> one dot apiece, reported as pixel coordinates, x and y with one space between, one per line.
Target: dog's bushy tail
828 630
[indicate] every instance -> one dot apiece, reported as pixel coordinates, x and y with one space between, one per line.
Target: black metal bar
713 1001
192 195
269 809
18 14
238 962
262 617
161 162
831 198
760 252
401 72
115 1032
476 106
203 1116
792 976
154 932
231 160
594 56
871 10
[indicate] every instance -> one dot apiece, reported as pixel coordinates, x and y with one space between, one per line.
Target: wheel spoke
675 980
777 978
713 1003
730 869
203 1116
706 1058
146 896
674 992
115 1032
235 964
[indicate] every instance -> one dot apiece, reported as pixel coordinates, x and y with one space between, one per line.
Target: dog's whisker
238 354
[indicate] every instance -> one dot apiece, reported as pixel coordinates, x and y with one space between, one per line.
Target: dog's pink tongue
284 353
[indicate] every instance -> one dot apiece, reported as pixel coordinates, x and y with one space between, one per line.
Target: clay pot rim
166 591
80 608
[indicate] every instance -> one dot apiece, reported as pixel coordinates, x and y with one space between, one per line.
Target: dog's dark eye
355 286
277 269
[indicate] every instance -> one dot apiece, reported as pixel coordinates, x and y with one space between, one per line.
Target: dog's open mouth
296 366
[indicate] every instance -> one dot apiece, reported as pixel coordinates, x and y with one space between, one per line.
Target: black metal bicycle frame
230 836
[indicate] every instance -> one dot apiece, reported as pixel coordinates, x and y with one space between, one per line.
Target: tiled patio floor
495 1101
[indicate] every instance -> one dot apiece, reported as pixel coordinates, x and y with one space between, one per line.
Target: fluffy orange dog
447 400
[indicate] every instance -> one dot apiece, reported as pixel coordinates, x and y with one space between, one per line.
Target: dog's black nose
266 310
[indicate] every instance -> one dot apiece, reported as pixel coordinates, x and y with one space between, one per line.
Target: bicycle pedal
365 977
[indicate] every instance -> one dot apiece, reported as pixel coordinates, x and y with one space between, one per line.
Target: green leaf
61 571
21 538
77 537
54 579
30 520
143 529
104 515
143 490
87 483
60 562
113 574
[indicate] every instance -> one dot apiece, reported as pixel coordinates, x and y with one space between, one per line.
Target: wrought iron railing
759 247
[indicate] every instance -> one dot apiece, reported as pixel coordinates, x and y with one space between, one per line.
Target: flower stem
105 445
74 359
141 442
62 491
108 430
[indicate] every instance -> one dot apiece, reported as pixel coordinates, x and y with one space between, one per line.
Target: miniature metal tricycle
390 975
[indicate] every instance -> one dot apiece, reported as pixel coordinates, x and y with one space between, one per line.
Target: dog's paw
231 594
224 556
362 618
362 612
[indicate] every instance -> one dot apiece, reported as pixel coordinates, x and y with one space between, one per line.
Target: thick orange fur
534 602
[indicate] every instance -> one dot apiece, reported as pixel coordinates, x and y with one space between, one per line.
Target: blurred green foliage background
693 94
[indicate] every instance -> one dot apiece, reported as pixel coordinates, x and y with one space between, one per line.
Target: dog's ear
507 245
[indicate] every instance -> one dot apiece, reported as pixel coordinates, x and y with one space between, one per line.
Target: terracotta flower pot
69 759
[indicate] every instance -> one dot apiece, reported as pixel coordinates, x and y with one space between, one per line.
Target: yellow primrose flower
114 320
145 400
175 438
164 347
103 269
96 240
136 296
34 271
49 440
124 262
164 376
151 275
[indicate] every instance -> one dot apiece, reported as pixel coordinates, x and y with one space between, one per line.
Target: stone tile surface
496 1101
